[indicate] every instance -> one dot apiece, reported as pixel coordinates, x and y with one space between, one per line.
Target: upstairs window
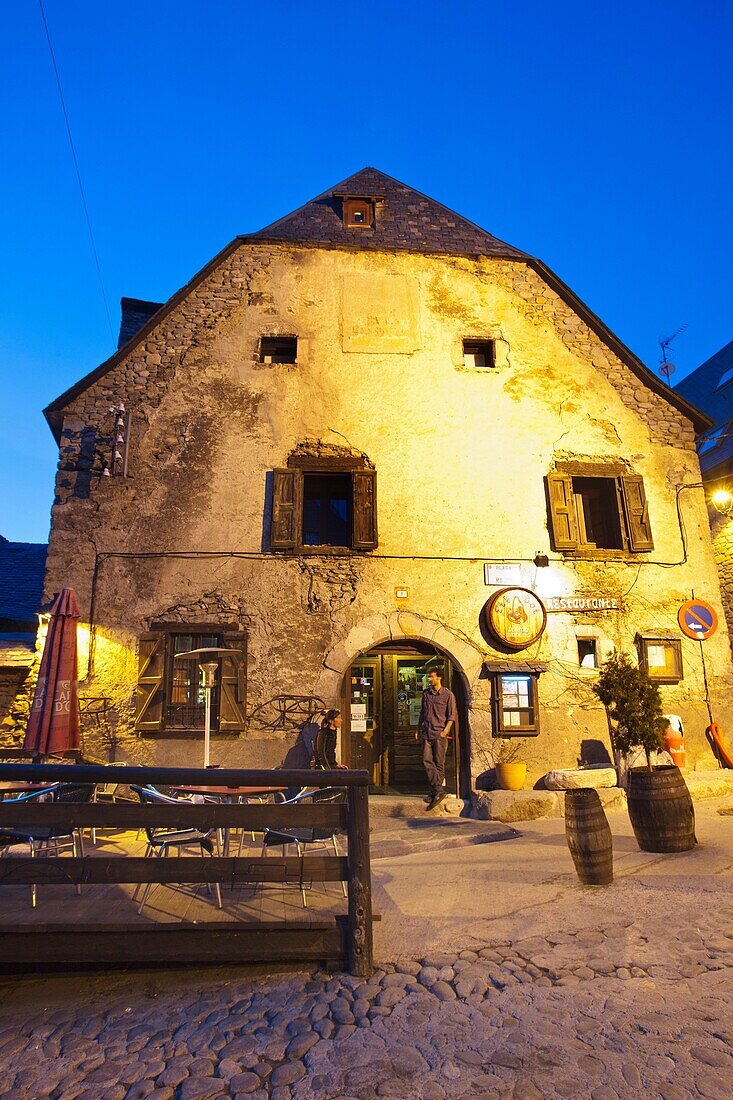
358 213
327 504
725 379
278 349
322 505
479 353
712 440
589 513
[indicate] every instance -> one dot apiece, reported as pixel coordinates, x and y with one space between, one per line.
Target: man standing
437 714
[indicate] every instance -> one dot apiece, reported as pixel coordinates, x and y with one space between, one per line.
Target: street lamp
208 666
722 501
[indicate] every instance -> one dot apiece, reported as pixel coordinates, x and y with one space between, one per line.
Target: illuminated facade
329 451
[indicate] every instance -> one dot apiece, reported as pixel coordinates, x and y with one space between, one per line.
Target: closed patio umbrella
53 725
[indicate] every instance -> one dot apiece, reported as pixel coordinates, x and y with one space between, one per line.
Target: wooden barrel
589 837
661 810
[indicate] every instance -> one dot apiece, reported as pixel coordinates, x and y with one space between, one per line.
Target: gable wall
460 456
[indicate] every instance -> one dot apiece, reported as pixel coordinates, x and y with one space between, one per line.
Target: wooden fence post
359 945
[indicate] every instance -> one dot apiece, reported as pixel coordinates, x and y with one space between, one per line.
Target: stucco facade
461 454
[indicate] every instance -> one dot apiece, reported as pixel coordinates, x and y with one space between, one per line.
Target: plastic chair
307 837
162 841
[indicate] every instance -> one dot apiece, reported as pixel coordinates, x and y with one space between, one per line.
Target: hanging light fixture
722 501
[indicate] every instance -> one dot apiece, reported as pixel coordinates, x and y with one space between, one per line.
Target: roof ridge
411 220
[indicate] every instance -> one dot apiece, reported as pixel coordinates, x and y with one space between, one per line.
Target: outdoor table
10 787
230 794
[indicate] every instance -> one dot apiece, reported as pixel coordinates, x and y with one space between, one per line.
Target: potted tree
660 806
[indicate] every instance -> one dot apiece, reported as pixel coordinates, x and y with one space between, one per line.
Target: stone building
330 451
22 566
710 387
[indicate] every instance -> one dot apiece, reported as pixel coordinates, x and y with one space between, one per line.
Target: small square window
478 353
278 349
587 652
660 657
358 213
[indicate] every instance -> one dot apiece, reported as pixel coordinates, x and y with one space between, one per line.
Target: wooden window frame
155 684
565 520
674 645
497 699
352 206
286 526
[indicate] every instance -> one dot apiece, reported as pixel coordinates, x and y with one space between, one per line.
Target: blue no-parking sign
697 619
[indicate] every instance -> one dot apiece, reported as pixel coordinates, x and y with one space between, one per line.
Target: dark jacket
325 749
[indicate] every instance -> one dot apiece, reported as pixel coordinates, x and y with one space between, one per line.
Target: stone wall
460 455
722 532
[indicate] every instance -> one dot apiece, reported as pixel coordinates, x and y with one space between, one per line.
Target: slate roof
405 220
22 569
701 389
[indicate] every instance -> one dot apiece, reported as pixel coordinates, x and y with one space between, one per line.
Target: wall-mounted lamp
541 560
722 501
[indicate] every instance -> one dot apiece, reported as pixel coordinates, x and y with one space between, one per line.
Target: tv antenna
666 366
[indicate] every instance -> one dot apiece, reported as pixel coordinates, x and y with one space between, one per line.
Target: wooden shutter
150 699
285 528
233 694
636 510
561 506
364 535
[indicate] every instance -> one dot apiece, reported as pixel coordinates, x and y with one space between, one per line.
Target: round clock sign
515 617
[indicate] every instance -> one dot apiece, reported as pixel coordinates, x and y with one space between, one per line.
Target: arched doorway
381 696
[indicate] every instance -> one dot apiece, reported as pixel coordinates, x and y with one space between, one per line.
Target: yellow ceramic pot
511 777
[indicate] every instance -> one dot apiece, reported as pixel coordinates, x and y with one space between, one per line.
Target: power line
78 174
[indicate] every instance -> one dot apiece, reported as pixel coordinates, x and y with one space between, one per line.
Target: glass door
364 718
410 680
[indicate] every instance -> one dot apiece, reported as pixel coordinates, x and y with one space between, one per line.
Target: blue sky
599 140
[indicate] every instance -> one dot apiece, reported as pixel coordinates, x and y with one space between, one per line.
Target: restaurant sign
583 603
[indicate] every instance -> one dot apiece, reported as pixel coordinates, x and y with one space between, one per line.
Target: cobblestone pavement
632 997
520 1020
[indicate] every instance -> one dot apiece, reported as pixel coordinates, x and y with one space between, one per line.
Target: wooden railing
344 941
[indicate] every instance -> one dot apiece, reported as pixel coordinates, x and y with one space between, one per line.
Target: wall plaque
516 617
380 313
583 603
503 575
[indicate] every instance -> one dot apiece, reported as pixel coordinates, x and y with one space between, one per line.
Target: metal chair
49 839
263 799
106 791
303 838
162 841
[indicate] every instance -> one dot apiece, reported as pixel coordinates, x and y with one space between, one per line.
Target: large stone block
574 778
515 805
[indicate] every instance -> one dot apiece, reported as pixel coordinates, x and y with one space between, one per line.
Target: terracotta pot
511 777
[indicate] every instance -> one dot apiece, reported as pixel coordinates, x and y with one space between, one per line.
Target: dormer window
358 213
